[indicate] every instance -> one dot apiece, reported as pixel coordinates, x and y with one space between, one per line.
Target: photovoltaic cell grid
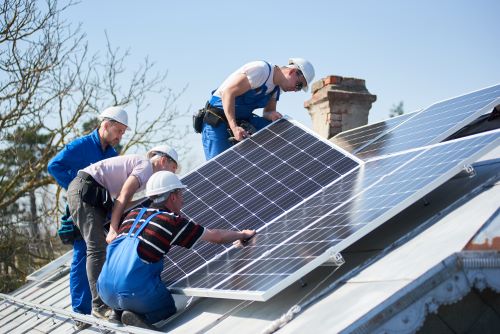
434 124
304 238
355 139
253 183
303 215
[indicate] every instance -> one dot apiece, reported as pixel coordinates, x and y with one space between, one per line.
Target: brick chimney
339 104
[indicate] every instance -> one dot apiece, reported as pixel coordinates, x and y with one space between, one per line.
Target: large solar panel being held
307 235
254 182
433 124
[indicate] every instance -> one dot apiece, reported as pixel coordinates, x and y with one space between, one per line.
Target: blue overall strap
276 89
265 81
137 219
216 101
269 68
146 222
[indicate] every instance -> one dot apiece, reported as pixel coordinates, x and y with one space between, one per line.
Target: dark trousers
90 220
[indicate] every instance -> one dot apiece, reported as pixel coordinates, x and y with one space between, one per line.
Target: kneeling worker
130 279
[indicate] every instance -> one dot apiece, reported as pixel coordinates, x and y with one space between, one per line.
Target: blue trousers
215 139
128 283
81 298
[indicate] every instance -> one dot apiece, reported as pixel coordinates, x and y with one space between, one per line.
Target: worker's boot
101 312
115 317
133 319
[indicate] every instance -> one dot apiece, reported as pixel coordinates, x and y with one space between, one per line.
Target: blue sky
418 52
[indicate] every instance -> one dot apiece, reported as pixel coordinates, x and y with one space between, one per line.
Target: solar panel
434 123
253 183
355 139
308 235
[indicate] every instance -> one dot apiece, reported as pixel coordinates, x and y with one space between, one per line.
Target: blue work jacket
77 155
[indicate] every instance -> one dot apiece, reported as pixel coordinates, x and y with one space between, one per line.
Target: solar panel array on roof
306 236
253 183
285 177
434 123
354 140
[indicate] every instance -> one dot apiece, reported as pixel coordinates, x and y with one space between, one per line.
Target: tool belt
210 115
94 194
214 116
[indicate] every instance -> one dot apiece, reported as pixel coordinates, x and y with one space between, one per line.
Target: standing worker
229 111
90 200
76 155
130 279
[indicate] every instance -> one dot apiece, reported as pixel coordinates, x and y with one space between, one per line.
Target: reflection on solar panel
305 237
355 139
253 183
434 123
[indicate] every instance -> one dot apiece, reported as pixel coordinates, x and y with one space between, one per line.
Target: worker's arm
270 112
62 166
226 236
121 203
239 85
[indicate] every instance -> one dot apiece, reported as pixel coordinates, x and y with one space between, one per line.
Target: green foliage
90 125
23 147
397 110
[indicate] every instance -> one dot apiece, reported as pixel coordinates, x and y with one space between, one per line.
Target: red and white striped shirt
163 231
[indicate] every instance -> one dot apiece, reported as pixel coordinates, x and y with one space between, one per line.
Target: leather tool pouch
91 194
212 118
106 200
96 196
198 120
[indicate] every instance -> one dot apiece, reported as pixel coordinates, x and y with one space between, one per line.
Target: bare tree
50 84
145 82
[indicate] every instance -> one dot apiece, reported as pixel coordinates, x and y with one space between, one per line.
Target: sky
417 52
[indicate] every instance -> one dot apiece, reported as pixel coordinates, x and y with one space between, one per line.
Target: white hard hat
164 149
116 114
162 182
306 68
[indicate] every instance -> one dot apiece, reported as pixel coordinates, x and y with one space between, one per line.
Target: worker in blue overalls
76 155
130 278
228 115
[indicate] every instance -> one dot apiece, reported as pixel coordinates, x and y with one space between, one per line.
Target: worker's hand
246 237
239 133
247 234
271 115
111 236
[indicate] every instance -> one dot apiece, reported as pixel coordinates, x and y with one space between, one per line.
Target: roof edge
446 283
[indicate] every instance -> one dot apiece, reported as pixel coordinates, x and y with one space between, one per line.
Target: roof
403 268
380 271
396 277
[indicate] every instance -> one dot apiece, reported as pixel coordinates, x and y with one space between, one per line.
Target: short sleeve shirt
112 173
257 73
163 231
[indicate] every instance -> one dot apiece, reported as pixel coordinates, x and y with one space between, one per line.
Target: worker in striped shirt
130 279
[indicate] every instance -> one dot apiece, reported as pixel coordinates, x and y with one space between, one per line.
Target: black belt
87 177
93 193
217 111
220 113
